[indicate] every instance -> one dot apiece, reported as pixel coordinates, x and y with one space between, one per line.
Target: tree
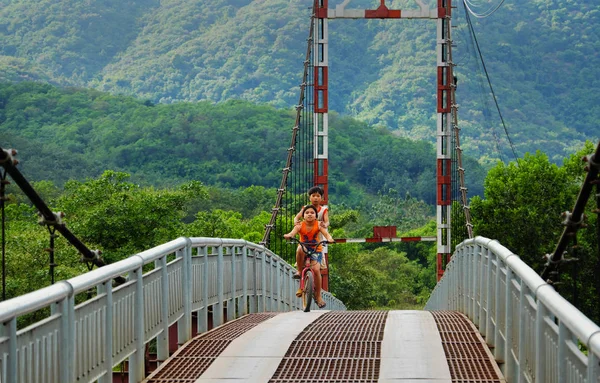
522 204
122 218
219 223
404 213
27 256
380 278
522 209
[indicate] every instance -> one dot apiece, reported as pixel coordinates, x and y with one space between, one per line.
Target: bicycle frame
307 267
307 252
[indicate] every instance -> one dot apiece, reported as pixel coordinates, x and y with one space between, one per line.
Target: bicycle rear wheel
308 292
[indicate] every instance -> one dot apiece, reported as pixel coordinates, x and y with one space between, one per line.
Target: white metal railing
82 342
534 333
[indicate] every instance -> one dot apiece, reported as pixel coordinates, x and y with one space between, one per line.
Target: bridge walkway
336 346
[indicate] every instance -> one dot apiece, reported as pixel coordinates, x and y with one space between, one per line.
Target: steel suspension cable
289 201
487 13
470 24
459 191
484 100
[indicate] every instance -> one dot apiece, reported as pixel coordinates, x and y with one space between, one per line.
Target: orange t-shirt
310 236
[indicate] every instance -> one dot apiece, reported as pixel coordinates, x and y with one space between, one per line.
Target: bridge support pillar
444 134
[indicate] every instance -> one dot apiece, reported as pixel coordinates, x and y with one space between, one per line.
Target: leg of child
316 268
299 259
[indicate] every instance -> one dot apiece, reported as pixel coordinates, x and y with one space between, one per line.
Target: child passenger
310 231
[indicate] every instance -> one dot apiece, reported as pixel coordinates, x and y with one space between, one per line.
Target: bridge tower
445 104
320 88
445 100
308 152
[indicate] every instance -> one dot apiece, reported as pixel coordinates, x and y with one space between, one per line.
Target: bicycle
307 279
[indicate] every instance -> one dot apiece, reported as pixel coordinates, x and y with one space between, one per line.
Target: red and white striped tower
442 14
320 118
444 131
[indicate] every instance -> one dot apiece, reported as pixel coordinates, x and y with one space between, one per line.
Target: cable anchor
10 157
57 221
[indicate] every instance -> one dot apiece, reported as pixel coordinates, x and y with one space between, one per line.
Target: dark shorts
317 257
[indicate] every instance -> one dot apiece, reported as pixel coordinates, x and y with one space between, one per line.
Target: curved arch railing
85 336
534 333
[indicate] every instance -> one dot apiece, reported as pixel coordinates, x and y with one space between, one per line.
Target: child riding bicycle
309 230
315 194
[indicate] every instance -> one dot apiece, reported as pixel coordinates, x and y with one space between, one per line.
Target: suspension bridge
225 310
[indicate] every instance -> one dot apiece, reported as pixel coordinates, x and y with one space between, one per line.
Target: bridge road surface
335 346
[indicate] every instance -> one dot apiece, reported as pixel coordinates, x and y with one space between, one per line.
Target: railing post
291 293
254 301
481 252
454 286
563 335
10 330
473 292
593 368
498 344
457 282
203 312
243 302
449 286
279 288
282 276
465 285
540 351
508 325
263 301
184 324
272 283
218 307
68 312
162 340
231 302
522 336
489 335
468 281
106 288
136 360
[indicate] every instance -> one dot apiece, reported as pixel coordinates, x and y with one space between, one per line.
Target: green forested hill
69 133
541 56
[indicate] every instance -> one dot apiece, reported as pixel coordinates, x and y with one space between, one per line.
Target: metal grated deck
340 346
191 360
468 357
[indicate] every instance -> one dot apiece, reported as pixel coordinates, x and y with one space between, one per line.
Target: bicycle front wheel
308 292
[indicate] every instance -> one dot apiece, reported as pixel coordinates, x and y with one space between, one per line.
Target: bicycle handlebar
306 244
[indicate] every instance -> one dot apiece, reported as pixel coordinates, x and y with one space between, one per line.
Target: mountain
541 57
69 133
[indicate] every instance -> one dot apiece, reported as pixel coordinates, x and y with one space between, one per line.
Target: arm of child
298 218
326 234
325 222
292 233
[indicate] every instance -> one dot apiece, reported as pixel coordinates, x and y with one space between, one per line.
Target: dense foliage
522 208
539 55
121 218
64 134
